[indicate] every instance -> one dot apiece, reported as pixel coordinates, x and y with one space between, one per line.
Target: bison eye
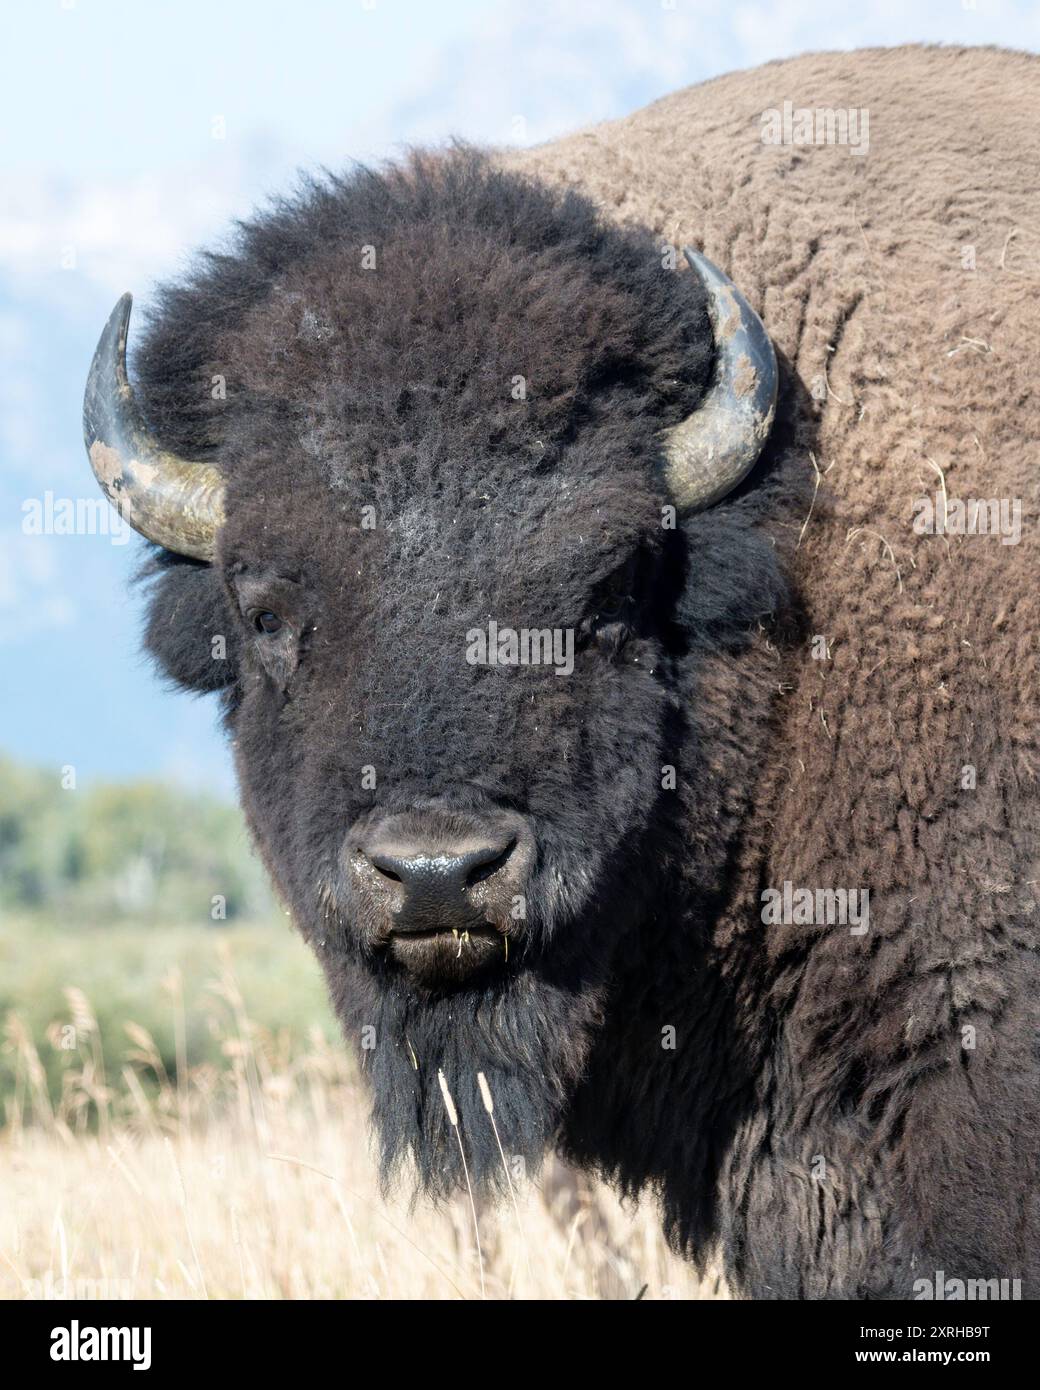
615 603
611 609
267 622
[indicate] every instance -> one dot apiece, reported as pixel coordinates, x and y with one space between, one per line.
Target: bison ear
734 577
190 631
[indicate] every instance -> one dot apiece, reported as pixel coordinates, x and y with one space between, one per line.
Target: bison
622 751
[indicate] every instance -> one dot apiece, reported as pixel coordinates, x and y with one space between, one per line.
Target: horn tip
121 313
707 270
116 330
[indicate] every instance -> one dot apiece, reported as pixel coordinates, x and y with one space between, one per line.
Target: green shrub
138 851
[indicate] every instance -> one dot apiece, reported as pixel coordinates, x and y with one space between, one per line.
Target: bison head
427 454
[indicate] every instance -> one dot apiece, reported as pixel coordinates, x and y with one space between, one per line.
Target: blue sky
133 132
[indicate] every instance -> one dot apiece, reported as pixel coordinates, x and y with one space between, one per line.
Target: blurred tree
115 851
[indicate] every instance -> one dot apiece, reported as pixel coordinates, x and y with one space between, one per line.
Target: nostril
491 866
386 866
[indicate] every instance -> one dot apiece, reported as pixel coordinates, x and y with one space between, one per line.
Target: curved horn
715 447
170 500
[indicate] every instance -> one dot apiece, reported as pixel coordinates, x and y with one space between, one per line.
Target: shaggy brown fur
844 1114
862 268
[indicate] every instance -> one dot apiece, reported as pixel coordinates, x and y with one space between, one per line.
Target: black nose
445 873
431 873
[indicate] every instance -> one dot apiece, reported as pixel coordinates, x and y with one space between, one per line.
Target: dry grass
257 1181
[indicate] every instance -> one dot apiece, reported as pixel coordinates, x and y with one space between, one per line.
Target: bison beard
528 1036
